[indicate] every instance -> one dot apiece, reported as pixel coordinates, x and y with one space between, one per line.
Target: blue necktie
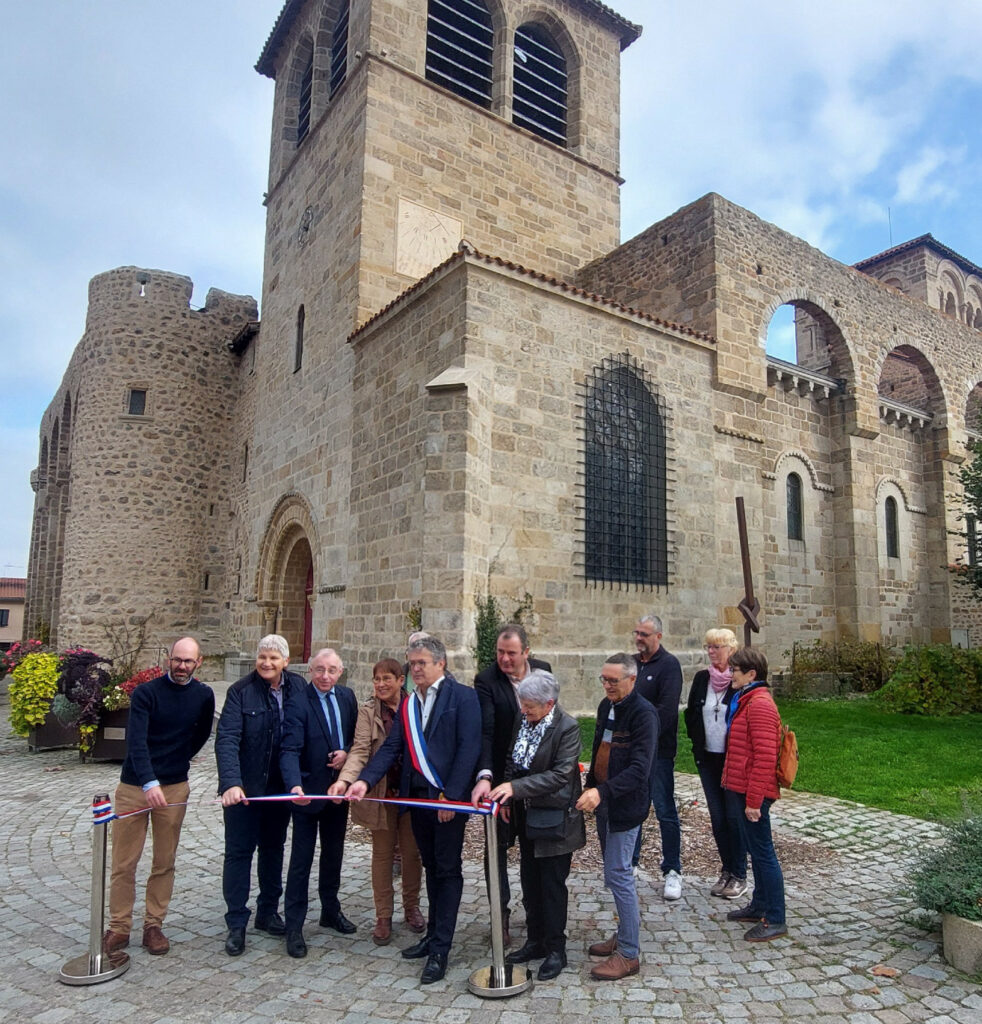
329 702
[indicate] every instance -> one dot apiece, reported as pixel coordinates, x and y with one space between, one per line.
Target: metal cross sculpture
749 606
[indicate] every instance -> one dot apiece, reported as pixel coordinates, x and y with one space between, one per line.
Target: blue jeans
768 895
619 879
661 784
725 821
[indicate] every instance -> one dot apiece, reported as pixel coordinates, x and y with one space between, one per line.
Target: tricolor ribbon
102 813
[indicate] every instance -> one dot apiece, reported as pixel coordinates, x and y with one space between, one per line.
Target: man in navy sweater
170 721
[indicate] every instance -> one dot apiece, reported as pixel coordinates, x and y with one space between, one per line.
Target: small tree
970 475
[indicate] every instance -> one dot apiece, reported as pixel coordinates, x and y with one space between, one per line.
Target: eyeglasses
184 661
421 664
641 632
610 682
716 647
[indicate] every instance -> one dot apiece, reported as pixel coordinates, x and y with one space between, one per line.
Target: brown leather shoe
606 948
415 921
615 967
113 941
154 941
382 932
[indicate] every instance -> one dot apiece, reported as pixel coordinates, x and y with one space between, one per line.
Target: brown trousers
383 854
129 838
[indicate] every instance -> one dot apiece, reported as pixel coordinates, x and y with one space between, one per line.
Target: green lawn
849 748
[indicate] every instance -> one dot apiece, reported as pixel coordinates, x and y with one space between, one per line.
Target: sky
851 123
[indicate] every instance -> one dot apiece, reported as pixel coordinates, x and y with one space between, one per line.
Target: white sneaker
673 886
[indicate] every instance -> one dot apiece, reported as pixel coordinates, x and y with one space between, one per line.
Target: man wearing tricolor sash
438 736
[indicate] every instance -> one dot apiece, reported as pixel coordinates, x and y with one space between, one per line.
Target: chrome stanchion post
500 979
95 966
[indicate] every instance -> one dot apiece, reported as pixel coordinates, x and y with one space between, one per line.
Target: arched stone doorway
285 580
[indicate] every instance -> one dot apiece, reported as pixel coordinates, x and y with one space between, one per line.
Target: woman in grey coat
542 786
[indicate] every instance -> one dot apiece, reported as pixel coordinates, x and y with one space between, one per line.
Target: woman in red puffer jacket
750 785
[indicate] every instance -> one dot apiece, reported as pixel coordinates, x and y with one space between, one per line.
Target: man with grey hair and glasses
247 748
438 737
624 742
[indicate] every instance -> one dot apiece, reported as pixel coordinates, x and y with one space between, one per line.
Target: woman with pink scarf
705 722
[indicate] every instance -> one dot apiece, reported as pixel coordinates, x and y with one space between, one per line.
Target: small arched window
541 98
459 48
298 347
339 48
795 519
625 479
303 106
892 528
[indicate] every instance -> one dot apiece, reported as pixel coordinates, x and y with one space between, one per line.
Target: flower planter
962 943
52 735
110 737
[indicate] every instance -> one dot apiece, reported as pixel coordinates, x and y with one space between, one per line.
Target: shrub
936 679
949 879
866 663
35 683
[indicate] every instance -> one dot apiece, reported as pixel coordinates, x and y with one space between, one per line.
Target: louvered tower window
459 47
541 99
303 108
625 479
339 49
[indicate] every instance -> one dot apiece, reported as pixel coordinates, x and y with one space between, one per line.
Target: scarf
528 739
718 680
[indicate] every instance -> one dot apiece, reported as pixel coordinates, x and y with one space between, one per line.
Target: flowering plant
15 654
35 683
118 696
83 677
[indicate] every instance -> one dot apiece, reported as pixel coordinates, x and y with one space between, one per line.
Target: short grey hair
539 687
273 642
627 664
654 621
431 644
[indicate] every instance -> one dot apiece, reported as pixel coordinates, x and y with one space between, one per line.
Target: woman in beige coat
389 828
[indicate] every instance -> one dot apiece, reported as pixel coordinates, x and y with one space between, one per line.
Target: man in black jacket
247 748
317 735
497 690
624 742
660 682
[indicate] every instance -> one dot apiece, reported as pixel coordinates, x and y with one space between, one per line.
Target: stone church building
462 382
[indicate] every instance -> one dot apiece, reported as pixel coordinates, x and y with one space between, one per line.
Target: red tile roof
266 65
467 250
12 588
932 243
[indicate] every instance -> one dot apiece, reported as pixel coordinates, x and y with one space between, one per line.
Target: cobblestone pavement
846 917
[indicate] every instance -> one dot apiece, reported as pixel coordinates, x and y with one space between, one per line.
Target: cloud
918 181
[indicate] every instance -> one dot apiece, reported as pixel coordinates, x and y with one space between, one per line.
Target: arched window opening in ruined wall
460 48
339 49
625 528
802 333
541 84
908 378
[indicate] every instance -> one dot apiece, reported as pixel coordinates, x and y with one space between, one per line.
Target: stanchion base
88 970
510 980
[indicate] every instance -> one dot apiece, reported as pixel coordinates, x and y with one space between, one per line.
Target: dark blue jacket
247 742
625 796
453 742
307 743
660 682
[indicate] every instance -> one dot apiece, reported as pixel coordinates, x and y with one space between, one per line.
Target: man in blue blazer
439 755
317 732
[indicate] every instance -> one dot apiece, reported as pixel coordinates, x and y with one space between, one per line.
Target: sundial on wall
424 238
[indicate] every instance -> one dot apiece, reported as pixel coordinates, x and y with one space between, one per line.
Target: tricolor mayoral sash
412 725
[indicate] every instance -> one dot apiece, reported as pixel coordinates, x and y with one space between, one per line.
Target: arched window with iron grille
625 479
460 47
339 48
541 98
796 529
